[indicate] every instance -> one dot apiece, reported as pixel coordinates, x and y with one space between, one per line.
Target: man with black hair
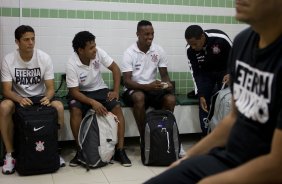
245 147
139 67
208 53
87 89
27 76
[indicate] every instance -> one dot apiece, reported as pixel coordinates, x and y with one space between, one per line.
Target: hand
99 108
45 101
170 86
156 85
113 95
203 104
25 102
177 162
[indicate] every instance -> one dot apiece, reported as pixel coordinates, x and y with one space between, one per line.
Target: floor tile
110 174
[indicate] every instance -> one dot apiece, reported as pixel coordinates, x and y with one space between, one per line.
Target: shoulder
11 56
217 35
42 55
131 48
157 47
246 33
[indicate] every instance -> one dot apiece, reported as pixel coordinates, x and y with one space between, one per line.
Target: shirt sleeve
71 76
6 76
163 57
49 73
106 60
126 64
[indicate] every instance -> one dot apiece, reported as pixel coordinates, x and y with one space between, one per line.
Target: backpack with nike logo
97 138
36 139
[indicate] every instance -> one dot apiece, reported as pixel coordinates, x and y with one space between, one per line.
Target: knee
7 107
58 105
138 99
75 114
169 100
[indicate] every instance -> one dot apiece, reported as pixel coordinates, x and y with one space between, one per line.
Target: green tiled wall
183 82
111 15
205 3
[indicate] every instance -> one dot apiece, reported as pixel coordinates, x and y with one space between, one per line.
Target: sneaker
74 162
9 164
62 162
121 157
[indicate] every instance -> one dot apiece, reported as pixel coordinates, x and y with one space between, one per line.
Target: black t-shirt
257 90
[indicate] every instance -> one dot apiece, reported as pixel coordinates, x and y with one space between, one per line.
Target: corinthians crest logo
215 49
39 146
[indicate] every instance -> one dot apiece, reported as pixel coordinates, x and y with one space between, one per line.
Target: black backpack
160 145
36 139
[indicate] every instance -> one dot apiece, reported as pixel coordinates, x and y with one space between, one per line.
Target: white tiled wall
54 35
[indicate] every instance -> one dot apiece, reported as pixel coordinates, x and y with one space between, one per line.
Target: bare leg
138 99
169 102
7 108
60 108
75 120
118 112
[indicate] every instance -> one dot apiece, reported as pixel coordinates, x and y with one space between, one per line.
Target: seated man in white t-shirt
40 85
139 67
87 89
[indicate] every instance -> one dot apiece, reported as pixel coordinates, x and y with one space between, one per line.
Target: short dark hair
194 31
143 23
80 40
22 30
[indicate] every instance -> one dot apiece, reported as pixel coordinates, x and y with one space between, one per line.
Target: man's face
26 42
196 44
89 51
256 11
145 35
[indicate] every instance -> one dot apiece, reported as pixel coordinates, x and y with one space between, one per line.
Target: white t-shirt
27 77
87 78
143 66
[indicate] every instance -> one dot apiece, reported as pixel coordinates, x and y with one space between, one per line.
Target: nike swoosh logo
36 129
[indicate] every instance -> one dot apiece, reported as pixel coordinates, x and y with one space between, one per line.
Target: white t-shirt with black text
27 77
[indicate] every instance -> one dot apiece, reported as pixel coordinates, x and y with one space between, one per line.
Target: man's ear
17 41
80 51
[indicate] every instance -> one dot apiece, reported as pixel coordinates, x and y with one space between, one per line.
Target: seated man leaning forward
139 67
87 89
23 90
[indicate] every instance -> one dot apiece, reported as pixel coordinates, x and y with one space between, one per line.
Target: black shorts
152 98
100 95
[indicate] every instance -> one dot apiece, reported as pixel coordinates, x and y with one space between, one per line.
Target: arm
116 77
10 94
264 169
49 93
130 84
165 77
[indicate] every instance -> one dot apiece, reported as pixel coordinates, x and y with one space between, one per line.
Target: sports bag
36 139
220 107
97 138
160 145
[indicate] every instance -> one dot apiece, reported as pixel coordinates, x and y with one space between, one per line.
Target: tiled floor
110 174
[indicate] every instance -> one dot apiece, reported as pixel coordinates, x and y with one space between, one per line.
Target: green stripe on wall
107 15
202 3
183 82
